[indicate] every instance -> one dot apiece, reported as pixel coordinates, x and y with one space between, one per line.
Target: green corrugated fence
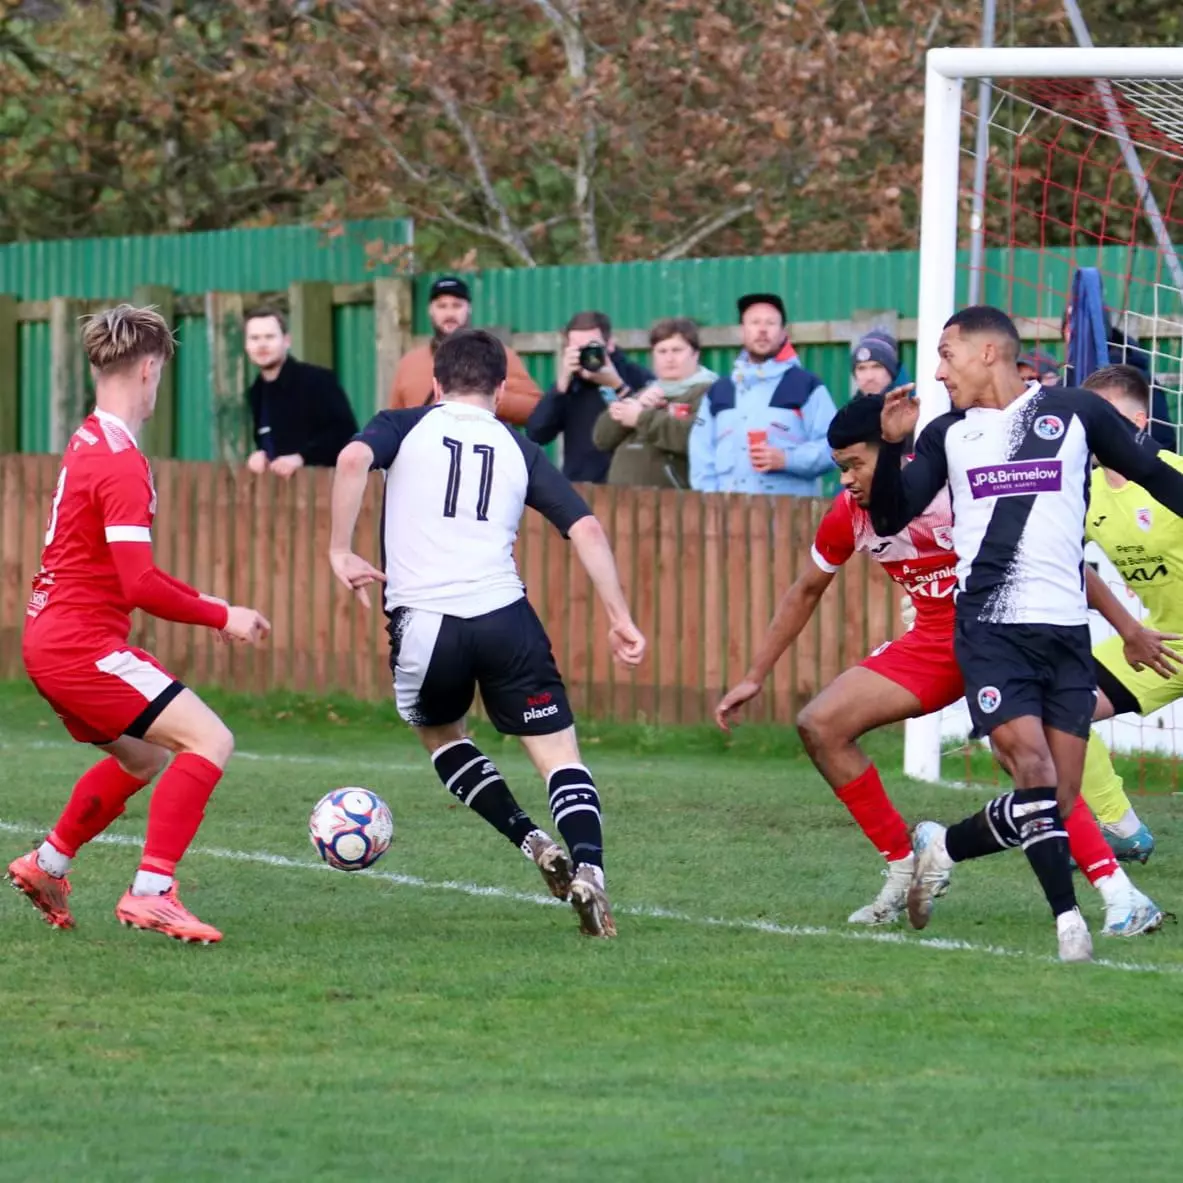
827 297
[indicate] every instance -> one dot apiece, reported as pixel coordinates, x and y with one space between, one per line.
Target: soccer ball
351 828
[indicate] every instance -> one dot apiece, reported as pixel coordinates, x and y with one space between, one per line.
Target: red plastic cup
755 438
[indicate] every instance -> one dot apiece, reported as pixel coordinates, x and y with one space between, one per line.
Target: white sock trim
449 746
1126 826
151 883
52 861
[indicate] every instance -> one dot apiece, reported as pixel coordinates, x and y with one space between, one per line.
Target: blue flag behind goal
1088 344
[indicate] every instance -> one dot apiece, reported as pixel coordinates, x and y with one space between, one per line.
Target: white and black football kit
1019 483
457 483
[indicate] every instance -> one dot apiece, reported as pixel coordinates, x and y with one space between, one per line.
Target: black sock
1045 843
988 831
472 778
575 806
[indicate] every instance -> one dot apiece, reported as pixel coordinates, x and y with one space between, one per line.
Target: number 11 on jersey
452 493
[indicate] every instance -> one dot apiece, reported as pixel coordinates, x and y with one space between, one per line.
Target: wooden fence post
392 332
310 322
68 391
10 377
160 440
223 320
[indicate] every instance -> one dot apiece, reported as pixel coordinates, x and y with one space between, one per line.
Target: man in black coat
301 416
591 374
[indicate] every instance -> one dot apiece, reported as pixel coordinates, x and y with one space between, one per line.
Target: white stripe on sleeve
129 534
828 568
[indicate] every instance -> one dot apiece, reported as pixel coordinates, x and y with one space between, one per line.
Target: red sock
1087 844
177 807
97 800
872 809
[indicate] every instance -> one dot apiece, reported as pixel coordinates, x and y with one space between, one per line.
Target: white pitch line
645 911
53 745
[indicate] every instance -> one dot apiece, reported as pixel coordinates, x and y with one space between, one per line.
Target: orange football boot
164 913
47 893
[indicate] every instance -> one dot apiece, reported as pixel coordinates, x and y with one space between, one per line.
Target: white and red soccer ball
351 828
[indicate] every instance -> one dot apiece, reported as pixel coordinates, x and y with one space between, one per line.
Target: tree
522 132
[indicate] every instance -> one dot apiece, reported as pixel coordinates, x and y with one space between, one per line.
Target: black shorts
1011 670
438 662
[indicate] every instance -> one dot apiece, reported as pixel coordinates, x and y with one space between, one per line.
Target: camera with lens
593 357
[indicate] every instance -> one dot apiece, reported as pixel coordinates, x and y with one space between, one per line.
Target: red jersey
919 558
96 566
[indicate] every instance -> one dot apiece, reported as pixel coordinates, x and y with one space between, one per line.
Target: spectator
449 307
299 412
648 434
592 374
1126 350
763 428
1037 366
875 363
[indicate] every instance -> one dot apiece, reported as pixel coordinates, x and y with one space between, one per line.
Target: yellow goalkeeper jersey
1144 541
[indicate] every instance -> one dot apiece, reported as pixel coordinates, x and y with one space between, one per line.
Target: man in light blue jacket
763 428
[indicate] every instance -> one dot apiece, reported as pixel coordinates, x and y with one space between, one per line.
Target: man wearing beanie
875 363
449 308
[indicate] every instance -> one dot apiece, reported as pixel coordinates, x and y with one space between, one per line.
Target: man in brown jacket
450 308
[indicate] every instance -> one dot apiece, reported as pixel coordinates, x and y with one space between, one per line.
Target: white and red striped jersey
920 558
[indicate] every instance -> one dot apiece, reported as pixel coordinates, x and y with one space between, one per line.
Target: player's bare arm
793 612
595 553
1142 646
350 478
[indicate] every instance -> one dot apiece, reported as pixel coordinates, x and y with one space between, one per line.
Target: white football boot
1075 942
930 874
888 906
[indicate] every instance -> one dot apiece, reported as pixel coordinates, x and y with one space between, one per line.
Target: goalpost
1084 169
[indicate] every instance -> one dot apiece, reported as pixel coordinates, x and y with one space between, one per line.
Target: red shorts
922 662
116 691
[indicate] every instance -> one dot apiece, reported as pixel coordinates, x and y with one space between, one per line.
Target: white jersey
457 482
1019 484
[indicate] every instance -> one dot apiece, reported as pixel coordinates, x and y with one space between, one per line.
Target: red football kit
920 559
97 567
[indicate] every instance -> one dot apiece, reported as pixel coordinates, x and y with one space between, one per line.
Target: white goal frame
946 71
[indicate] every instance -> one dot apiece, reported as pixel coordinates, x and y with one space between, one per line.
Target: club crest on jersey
1049 427
1142 517
943 537
989 699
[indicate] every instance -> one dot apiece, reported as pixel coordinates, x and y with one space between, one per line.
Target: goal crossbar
1100 62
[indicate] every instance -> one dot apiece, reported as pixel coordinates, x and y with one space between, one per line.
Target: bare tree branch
566 22
509 232
704 229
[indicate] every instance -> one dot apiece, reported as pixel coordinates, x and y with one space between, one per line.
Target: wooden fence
702 573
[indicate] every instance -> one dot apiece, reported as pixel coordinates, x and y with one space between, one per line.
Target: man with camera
592 374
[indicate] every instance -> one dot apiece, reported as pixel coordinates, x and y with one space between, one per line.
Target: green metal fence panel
354 357
813 286
263 259
195 400
33 342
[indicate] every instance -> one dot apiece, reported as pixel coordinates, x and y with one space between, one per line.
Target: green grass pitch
438 1020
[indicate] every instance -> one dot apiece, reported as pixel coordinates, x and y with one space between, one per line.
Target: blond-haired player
97 566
